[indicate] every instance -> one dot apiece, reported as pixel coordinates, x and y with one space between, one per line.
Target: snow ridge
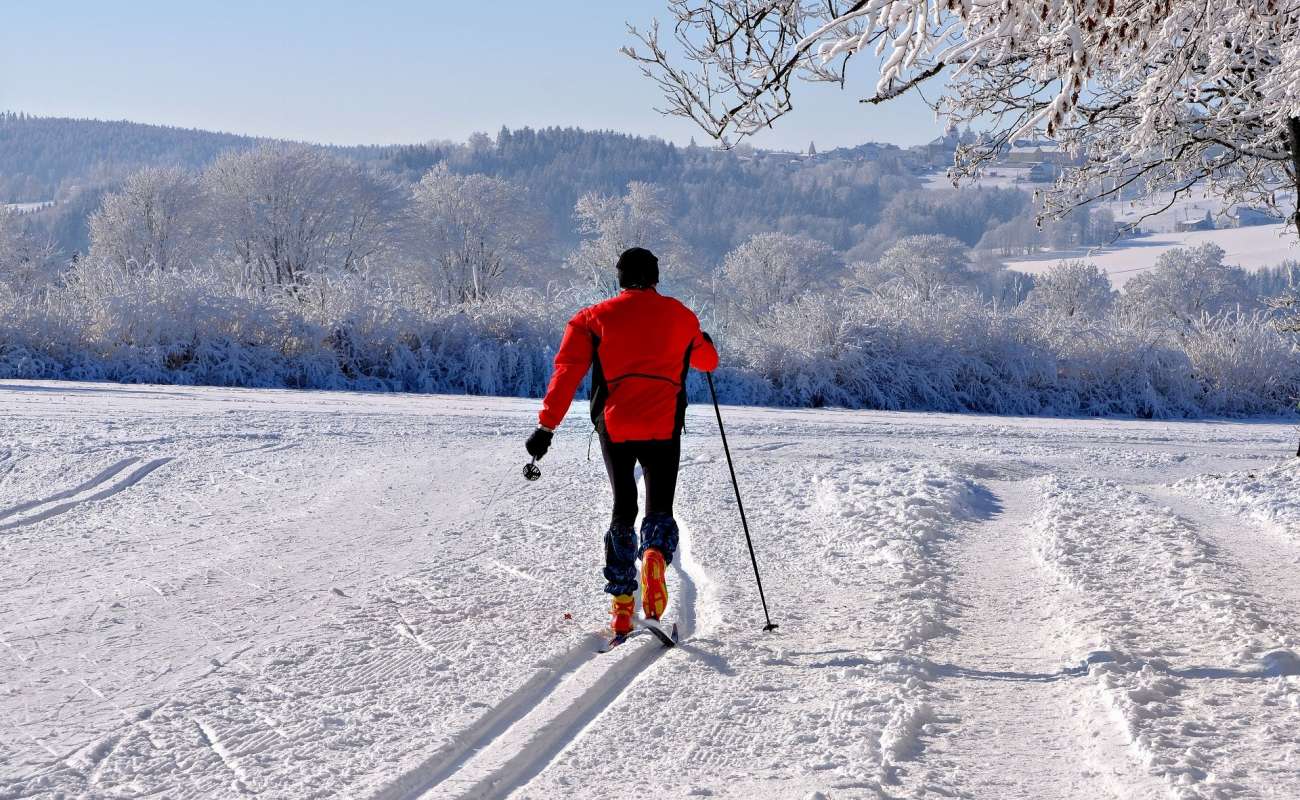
891 523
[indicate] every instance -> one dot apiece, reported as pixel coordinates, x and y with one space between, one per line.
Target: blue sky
378 72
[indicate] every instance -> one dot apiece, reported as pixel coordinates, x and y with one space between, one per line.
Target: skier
639 346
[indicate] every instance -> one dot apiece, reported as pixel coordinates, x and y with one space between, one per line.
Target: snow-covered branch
1168 90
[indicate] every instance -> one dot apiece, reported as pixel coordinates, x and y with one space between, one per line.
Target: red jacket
639 346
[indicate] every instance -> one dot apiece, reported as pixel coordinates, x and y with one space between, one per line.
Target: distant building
1249 216
1205 223
941 152
871 151
1036 151
1045 172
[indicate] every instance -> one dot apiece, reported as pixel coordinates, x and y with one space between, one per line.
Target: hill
43 158
834 196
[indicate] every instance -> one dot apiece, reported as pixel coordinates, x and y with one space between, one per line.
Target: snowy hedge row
958 354
200 328
952 353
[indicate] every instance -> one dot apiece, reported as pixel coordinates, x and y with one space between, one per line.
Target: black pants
658 461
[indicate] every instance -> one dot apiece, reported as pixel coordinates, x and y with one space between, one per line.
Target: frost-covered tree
1158 94
1288 308
1101 228
1019 236
611 225
773 268
1073 288
288 211
1279 288
475 230
1279 280
28 261
1186 284
919 266
157 221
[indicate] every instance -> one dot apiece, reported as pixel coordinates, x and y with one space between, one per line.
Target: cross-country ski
667 638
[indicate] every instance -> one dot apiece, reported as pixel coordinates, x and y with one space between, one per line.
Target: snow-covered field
1250 248
218 593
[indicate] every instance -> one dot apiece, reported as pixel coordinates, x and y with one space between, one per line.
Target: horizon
332 74
433 141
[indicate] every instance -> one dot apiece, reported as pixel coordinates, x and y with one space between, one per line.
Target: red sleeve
704 356
571 365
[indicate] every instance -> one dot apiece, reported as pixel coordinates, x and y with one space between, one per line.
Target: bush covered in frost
896 350
205 327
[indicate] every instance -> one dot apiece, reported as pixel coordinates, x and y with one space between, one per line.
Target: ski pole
743 523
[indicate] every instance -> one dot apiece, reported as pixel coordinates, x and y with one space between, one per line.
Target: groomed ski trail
515 741
1199 666
1020 694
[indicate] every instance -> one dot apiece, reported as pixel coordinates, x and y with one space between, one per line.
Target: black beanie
637 269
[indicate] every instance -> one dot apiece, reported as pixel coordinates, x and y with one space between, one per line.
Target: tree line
293 265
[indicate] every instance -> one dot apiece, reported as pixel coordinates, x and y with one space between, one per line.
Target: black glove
539 442
707 337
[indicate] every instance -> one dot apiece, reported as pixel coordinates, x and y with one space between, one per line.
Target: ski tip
612 643
657 628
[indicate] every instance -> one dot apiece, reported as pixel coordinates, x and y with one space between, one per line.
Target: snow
1162 211
1268 496
219 592
1250 248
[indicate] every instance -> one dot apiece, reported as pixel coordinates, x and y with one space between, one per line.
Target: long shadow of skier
700 649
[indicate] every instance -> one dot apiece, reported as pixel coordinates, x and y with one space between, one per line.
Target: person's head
637 269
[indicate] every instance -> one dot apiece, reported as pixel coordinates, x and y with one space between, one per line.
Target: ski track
106 474
309 601
518 738
1269 497
851 712
79 495
1269 559
1193 662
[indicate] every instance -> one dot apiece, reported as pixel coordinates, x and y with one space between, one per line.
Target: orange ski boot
654 588
621 609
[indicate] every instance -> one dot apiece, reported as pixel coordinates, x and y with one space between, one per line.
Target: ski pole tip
771 626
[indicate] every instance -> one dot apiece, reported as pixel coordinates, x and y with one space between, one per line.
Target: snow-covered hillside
218 593
1250 248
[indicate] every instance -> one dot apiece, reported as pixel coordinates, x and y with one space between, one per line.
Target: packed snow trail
358 595
1199 668
1018 690
1267 557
